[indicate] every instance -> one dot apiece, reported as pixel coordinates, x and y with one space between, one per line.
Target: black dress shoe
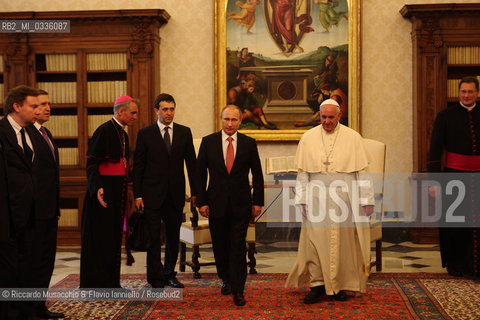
454 272
239 299
47 314
341 296
174 283
226 288
314 295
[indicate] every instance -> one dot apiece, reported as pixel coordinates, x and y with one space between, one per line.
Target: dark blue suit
47 209
7 244
230 201
159 179
17 249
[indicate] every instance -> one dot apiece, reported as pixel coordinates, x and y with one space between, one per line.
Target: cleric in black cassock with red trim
457 132
105 202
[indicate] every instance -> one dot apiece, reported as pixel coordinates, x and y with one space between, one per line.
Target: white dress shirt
16 127
225 145
162 130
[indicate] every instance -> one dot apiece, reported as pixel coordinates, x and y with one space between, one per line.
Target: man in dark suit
7 266
21 109
229 204
47 196
159 186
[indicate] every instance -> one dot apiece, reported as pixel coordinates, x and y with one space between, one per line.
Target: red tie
230 156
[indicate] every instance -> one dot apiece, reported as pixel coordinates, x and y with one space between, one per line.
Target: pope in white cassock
335 196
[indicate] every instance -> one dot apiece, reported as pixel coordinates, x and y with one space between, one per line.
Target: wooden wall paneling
435 27
134 32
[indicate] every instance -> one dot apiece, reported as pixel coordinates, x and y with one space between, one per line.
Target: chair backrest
377 152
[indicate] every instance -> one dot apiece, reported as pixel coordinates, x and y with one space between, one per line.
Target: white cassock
334 246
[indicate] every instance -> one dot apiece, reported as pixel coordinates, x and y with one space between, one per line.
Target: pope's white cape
348 155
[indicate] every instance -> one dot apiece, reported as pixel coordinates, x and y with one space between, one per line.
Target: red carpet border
389 296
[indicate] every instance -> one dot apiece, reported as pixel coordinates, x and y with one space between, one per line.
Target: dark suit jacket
222 186
155 173
5 215
46 176
20 178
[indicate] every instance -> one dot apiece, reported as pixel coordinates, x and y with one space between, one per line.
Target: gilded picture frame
286 87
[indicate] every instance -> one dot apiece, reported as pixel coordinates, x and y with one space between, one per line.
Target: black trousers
172 220
459 241
16 270
44 250
8 276
27 262
229 248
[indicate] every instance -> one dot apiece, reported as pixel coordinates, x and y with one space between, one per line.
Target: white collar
468 108
14 124
121 125
162 126
225 136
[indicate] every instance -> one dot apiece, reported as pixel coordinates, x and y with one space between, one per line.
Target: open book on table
285 164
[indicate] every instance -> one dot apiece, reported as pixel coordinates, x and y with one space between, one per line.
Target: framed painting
279 59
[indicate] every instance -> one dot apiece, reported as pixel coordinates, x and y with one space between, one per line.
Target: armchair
377 150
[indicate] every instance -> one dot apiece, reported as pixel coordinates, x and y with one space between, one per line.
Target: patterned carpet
389 296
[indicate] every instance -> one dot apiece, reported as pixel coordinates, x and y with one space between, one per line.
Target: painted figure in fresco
338 95
326 87
246 17
245 59
328 75
284 21
328 16
242 96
